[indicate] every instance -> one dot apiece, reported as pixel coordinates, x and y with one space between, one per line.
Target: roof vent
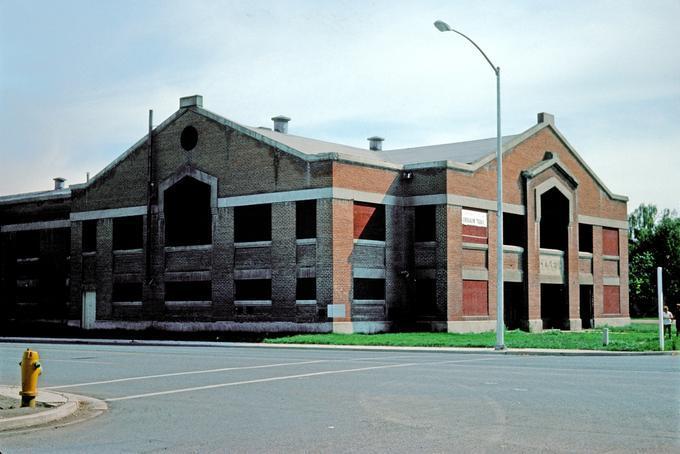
544 117
191 101
375 143
281 124
59 183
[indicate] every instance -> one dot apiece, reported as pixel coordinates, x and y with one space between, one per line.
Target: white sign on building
476 218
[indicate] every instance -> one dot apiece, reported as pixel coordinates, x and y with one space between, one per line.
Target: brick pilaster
76 276
598 273
223 265
284 276
104 268
396 294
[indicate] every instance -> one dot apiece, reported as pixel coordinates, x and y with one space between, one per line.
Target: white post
659 293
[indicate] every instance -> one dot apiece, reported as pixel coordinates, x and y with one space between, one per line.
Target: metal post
659 293
500 325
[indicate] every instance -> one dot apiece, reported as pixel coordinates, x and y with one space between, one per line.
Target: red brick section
368 179
610 241
449 261
475 298
492 261
343 245
612 299
474 234
592 201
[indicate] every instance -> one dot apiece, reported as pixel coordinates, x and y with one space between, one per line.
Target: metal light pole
500 324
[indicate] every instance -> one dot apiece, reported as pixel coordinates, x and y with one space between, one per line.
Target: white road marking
208 371
259 380
287 377
175 374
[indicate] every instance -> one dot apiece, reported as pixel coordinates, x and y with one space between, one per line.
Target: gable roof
466 156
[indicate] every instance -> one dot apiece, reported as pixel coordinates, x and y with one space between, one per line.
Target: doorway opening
554 306
586 306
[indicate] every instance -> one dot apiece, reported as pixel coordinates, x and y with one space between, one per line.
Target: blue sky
77 78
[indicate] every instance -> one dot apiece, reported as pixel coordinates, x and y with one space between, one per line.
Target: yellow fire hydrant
30 370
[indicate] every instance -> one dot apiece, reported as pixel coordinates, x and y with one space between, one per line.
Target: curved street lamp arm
495 68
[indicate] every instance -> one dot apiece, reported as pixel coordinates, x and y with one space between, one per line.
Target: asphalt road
201 399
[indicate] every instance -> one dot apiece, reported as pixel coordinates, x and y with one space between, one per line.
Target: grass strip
636 337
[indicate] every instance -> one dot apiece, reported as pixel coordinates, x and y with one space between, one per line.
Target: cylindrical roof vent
375 143
281 124
59 183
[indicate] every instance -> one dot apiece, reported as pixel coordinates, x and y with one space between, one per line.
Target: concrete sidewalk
475 350
57 406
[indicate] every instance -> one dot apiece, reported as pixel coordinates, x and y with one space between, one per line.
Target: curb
73 403
470 350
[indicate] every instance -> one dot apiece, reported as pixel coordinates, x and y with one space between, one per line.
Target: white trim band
45 225
110 213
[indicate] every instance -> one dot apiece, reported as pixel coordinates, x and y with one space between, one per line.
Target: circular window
189 138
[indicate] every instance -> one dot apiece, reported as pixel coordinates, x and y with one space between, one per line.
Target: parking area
241 399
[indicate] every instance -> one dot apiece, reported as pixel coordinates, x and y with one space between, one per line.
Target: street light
500 325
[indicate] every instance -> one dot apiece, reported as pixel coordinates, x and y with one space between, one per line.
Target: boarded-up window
305 219
475 226
306 289
610 241
425 223
90 236
369 289
188 291
128 233
475 298
126 291
369 221
585 238
253 223
253 290
612 299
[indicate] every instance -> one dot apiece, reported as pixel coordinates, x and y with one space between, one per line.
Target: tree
654 241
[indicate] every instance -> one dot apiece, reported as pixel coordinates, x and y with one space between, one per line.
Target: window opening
188 291
126 292
305 219
369 221
253 289
514 226
585 238
253 223
306 288
369 289
425 223
90 236
128 233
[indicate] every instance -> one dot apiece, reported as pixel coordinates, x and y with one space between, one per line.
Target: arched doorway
554 239
188 214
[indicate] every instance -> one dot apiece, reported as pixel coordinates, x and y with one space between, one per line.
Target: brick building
209 224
